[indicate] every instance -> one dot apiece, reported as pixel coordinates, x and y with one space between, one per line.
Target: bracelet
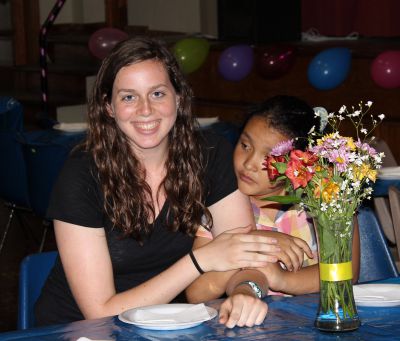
194 260
254 286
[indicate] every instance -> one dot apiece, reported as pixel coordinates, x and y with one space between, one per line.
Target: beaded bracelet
254 286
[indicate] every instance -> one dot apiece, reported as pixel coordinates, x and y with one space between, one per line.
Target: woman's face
255 142
144 105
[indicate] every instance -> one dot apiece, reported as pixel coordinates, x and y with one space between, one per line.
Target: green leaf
283 199
299 192
281 167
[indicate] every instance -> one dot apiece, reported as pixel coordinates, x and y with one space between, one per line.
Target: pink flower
282 148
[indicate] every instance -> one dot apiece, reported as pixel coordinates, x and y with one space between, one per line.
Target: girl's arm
87 264
306 280
233 210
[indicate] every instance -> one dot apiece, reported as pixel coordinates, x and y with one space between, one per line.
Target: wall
161 15
229 100
74 11
5 24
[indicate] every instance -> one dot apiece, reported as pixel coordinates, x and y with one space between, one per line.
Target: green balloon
191 53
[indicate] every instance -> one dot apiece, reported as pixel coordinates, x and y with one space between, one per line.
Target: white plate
207 121
71 127
377 295
164 310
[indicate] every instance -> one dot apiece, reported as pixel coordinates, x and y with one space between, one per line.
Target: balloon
236 62
103 40
191 53
385 69
273 62
329 68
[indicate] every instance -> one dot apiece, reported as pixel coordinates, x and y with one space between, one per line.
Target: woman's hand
236 249
292 249
242 310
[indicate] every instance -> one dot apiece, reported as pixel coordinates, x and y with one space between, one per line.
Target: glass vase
337 310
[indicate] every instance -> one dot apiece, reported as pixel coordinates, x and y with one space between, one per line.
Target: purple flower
366 148
282 148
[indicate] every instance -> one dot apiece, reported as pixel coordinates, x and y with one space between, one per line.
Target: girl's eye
244 145
127 98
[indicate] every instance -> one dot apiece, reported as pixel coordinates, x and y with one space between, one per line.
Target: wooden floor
23 238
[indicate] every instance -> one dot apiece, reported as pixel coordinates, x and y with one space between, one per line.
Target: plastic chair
376 261
33 273
45 152
381 202
13 177
394 201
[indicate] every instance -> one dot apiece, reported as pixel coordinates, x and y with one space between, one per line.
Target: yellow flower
326 137
372 175
330 191
364 171
350 143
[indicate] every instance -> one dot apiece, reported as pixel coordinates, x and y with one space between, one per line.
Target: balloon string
43 52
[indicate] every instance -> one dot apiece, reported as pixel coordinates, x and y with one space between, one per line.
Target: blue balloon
329 68
236 62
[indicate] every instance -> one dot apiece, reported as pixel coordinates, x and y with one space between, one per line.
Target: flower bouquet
329 180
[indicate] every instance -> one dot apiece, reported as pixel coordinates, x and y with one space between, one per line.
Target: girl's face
144 105
255 142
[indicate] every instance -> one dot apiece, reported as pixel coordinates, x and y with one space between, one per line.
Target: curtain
370 18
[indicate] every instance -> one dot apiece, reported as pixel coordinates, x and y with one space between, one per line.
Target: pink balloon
385 69
275 61
103 40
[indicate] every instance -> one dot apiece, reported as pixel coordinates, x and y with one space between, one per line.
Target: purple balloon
236 62
275 61
103 40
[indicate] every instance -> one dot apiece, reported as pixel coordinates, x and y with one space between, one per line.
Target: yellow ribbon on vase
335 272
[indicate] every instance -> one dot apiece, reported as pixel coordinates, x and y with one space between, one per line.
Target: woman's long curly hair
120 173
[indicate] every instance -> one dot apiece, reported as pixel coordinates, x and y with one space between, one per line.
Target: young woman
278 119
128 203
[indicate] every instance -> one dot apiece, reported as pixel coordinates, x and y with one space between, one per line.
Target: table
289 318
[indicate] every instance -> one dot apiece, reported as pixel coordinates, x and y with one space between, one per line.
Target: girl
276 120
127 205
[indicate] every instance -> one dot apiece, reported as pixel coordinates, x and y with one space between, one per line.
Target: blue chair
13 176
45 152
33 273
376 261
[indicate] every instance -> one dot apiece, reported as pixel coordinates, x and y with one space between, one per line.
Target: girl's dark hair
289 115
120 173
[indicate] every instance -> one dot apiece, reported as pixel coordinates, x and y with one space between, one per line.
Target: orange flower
298 174
269 164
330 191
307 158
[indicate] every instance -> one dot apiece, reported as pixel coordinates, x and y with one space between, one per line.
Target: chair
33 273
45 152
376 261
394 201
381 203
13 177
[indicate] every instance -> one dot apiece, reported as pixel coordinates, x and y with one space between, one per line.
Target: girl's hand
236 249
292 249
242 310
275 275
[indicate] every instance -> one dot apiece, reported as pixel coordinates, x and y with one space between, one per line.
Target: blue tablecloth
289 318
